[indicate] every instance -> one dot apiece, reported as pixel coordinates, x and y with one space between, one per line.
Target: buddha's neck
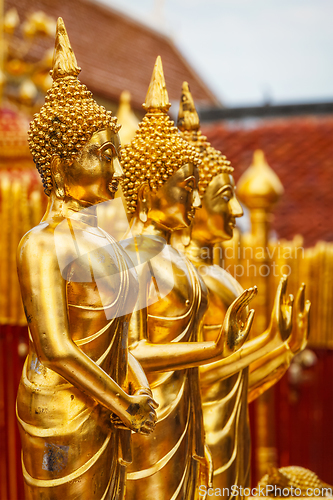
199 252
59 209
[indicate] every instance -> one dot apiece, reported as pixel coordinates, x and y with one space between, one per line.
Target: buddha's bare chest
182 295
99 282
93 277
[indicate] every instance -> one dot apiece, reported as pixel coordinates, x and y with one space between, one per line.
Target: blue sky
249 50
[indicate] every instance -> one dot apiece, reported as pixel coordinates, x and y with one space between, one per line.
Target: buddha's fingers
300 299
307 316
302 305
153 417
249 322
153 404
298 338
283 285
290 300
244 299
252 292
145 431
147 428
280 293
150 423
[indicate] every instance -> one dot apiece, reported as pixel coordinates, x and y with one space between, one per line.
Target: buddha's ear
144 202
57 174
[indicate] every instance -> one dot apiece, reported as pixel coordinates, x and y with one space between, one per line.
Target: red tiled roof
115 52
300 151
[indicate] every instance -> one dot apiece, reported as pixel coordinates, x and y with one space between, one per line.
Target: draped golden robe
171 463
70 450
227 430
225 406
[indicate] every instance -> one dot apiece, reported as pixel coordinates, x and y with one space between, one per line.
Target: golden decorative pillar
21 207
260 189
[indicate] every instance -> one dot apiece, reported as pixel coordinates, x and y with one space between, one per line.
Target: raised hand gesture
234 330
299 335
281 318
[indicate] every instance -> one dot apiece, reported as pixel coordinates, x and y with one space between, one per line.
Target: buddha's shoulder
37 236
44 239
219 281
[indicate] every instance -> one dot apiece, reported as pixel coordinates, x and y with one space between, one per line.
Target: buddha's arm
267 370
181 355
250 352
44 298
137 378
257 347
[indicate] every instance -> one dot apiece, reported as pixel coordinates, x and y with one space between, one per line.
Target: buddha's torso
163 463
56 417
100 289
169 315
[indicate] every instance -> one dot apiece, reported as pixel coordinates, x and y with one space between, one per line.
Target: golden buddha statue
160 187
228 384
81 392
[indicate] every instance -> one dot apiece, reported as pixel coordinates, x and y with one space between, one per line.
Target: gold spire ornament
188 118
157 96
157 149
64 60
212 161
70 115
259 186
127 118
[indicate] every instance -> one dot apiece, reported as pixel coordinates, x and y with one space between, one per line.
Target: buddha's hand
299 335
281 318
140 414
234 330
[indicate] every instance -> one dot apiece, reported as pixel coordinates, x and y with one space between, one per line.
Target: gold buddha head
74 141
161 169
220 208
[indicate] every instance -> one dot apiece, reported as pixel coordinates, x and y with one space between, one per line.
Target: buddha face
94 176
173 205
220 208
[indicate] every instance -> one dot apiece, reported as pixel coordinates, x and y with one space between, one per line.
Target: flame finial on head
188 118
64 60
157 98
213 162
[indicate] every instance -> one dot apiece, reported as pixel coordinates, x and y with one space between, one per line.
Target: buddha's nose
236 207
118 171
